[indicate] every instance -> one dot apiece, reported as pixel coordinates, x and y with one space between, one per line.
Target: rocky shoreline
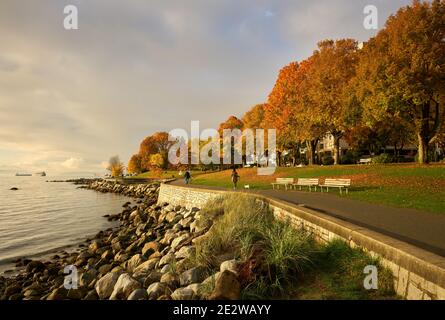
146 257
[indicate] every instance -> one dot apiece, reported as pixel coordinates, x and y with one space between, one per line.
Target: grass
279 262
399 185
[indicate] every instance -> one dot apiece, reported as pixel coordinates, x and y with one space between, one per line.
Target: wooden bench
302 182
336 183
283 181
365 161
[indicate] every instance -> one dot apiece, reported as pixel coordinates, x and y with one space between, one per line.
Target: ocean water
42 217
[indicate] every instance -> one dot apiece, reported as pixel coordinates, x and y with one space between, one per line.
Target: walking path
422 229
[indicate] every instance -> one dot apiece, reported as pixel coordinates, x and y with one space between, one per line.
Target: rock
91 295
76 294
12 289
231 265
35 266
167 259
184 252
107 255
105 285
153 277
121 257
138 294
95 245
58 294
170 279
124 286
227 287
156 290
14 189
193 275
105 268
134 262
195 287
144 268
180 240
150 248
183 294
88 277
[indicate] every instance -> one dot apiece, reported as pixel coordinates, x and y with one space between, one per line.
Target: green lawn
400 185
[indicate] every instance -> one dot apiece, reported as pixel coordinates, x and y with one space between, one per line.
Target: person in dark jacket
187 176
235 178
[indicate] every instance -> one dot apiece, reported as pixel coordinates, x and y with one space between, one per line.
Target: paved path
422 229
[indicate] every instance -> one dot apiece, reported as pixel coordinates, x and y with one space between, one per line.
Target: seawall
418 274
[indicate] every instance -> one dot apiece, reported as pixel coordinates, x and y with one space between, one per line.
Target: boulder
58 294
227 287
95 245
167 259
138 294
144 268
156 290
170 279
134 262
231 265
124 286
150 248
183 294
184 252
153 277
193 275
180 240
105 285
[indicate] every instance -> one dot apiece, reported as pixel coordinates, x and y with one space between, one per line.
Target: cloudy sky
71 99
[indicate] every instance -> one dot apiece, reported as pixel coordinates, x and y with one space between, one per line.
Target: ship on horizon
40 174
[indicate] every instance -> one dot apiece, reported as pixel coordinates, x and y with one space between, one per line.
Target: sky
70 99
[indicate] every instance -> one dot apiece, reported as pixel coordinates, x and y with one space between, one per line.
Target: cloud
145 66
72 163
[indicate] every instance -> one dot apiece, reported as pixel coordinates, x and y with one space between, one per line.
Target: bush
327 160
274 256
350 157
383 158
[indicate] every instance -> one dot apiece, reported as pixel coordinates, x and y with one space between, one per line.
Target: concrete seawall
418 274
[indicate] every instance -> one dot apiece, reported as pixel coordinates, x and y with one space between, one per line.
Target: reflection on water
42 217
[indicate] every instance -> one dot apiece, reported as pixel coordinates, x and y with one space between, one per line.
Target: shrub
327 160
383 158
350 157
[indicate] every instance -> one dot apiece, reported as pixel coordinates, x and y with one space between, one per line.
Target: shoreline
138 253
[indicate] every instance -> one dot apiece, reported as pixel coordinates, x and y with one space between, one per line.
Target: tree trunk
423 149
337 138
311 146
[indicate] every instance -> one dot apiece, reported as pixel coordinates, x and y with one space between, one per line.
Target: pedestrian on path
187 176
235 178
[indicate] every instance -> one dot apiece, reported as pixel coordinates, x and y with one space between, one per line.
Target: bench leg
341 190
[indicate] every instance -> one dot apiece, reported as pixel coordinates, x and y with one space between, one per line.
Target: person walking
187 176
235 178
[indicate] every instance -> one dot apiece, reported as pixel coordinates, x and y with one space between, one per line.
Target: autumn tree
135 165
232 123
253 119
116 167
281 105
402 72
157 143
333 67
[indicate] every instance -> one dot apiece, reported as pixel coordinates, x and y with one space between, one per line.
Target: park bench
283 181
365 161
336 183
302 182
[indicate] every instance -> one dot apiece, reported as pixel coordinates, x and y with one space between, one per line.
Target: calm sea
42 217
